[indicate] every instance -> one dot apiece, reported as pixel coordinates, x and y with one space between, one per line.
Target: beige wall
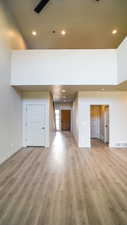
10 100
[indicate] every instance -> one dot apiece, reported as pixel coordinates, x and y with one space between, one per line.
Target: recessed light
63 91
34 33
63 32
11 33
114 31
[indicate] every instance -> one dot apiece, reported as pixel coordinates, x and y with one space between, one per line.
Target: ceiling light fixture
11 33
63 32
34 33
114 31
63 91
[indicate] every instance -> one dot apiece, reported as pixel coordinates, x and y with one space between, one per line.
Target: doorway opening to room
63 118
99 126
66 120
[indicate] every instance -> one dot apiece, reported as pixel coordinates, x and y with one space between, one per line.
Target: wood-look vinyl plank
64 185
28 195
15 192
113 203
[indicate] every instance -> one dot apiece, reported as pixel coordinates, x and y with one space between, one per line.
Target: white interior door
36 125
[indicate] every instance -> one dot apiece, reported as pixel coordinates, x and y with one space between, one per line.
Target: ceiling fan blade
41 5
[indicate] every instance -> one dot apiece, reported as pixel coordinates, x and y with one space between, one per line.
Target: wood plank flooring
64 185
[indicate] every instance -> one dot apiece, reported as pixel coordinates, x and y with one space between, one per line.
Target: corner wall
122 61
117 102
75 120
10 100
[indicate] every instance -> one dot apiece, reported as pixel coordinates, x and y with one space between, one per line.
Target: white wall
75 120
10 100
43 98
117 102
122 61
70 67
73 67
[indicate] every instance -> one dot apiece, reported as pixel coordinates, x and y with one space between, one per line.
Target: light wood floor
64 186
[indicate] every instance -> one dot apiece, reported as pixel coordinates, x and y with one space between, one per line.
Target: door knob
43 128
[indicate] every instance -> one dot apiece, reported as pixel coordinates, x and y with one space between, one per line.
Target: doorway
99 115
35 125
65 120
57 119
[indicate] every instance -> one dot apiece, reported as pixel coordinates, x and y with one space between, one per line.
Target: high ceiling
88 23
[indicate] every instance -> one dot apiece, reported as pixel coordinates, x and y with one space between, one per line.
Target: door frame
24 121
107 105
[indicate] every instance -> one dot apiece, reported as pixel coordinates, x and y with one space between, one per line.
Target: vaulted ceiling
88 23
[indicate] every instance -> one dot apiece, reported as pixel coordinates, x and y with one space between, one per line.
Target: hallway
64 185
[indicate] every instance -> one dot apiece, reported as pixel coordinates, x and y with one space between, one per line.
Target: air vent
121 145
